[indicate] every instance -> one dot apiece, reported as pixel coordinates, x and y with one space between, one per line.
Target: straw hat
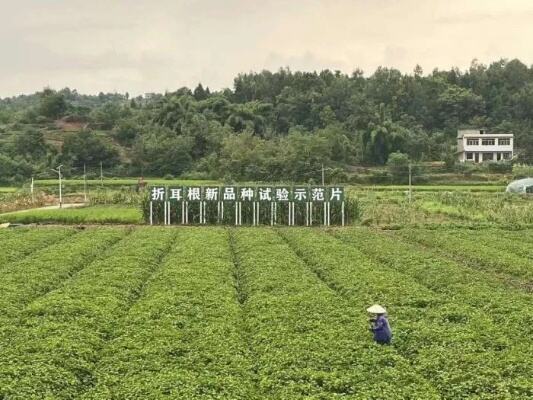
376 309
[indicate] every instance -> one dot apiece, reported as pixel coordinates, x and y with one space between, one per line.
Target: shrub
500 167
522 171
398 165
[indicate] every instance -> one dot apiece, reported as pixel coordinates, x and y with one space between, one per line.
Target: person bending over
380 324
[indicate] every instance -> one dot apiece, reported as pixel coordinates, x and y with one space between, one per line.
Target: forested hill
270 125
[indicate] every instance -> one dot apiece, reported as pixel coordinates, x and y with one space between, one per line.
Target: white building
478 145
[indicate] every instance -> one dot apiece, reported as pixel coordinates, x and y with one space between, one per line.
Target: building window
488 142
504 142
472 142
469 156
506 156
488 157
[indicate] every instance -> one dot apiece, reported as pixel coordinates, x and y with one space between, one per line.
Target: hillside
269 126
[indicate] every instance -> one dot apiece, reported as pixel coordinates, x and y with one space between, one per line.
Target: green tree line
270 125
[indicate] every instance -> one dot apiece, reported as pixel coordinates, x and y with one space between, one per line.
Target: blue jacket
381 329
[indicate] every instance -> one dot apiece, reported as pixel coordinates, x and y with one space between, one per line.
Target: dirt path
55 207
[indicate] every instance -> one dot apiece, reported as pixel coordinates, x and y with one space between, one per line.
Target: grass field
390 208
393 208
260 313
123 182
93 183
433 188
110 214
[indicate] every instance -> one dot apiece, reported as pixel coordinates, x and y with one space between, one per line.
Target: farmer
380 325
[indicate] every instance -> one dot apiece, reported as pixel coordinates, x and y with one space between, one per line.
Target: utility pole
101 175
410 184
58 171
84 183
323 180
31 188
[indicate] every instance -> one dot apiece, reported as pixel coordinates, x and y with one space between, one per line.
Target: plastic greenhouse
521 186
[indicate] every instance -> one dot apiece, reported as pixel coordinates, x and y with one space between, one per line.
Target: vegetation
183 338
262 313
384 206
53 353
280 125
110 214
392 208
12 201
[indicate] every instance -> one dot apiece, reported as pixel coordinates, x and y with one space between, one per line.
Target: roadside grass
484 187
124 182
432 188
111 214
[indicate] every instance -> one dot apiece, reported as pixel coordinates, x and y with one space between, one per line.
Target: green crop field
262 313
122 182
434 188
110 214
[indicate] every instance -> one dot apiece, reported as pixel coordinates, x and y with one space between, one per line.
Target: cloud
138 46
307 61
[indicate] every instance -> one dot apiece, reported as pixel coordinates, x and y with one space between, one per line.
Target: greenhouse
521 186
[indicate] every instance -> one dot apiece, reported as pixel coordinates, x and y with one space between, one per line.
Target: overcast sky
143 46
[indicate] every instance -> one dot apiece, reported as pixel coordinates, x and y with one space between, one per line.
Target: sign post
301 202
336 195
157 195
175 197
318 196
247 195
265 195
300 195
282 195
211 195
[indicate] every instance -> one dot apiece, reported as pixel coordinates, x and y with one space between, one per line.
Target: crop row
508 306
46 269
521 247
182 339
307 341
19 243
477 249
475 323
109 214
52 352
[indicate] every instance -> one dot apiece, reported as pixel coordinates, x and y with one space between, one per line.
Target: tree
87 148
12 170
398 165
126 130
160 152
52 104
456 106
107 115
30 144
199 93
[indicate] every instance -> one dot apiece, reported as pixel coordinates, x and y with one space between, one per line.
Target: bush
500 167
337 175
379 177
468 168
398 165
522 171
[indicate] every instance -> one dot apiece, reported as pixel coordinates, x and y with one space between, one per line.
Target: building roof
461 133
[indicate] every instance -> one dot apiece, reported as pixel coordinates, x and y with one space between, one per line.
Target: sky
141 46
